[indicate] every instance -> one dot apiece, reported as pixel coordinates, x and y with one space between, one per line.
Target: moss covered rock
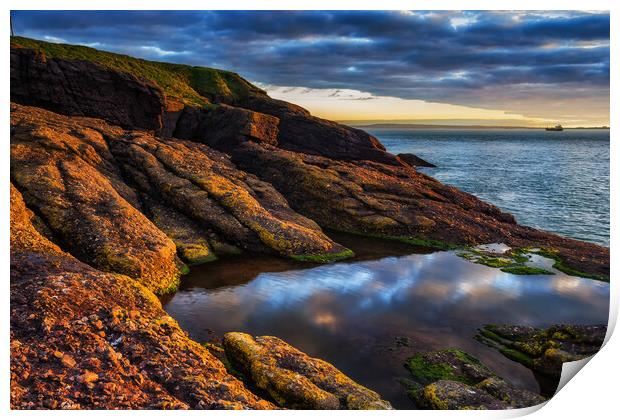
544 350
454 380
293 379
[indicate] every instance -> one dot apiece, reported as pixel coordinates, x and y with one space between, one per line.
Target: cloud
521 62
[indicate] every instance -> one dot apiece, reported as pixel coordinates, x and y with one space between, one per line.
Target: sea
556 181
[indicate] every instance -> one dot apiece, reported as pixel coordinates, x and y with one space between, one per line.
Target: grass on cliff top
189 84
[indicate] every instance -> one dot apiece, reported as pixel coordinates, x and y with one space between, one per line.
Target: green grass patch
191 85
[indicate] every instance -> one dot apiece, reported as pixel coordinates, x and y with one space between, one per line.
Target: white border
592 395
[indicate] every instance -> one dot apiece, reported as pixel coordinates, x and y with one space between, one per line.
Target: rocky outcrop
415 161
544 350
84 88
400 203
301 132
338 176
295 380
67 175
226 127
88 88
82 338
73 171
453 380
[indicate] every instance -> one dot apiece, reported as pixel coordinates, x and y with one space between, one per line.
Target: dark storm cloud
470 58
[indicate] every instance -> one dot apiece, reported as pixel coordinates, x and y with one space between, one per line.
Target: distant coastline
458 127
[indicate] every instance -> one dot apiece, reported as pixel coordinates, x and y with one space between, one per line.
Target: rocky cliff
123 171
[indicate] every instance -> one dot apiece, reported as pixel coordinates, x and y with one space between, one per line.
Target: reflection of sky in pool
350 313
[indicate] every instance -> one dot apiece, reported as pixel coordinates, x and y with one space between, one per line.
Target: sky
521 68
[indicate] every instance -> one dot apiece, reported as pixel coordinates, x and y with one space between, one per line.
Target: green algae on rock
559 263
294 379
450 364
544 350
454 380
511 261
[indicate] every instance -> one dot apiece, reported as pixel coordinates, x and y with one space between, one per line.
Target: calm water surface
557 181
351 313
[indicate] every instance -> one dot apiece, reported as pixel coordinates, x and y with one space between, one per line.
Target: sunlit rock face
83 338
295 380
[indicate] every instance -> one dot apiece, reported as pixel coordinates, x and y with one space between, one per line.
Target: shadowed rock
453 380
451 395
301 132
544 350
413 160
84 88
295 380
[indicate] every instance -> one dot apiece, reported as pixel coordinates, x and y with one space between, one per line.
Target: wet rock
399 203
503 391
544 350
414 160
293 379
454 380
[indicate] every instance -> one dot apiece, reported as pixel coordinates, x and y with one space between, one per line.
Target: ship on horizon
556 128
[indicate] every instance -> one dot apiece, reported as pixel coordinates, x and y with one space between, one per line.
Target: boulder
294 379
452 395
301 132
225 127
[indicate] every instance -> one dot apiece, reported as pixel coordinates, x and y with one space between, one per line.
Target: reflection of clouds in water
349 313
431 288
573 286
